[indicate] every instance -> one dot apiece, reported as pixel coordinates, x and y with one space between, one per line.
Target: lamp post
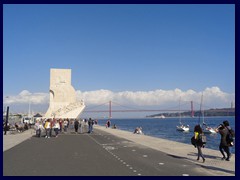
6 123
5 105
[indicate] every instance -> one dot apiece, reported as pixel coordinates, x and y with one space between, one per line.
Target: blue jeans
200 154
38 132
56 131
90 128
48 132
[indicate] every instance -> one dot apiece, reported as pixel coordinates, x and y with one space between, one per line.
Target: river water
166 128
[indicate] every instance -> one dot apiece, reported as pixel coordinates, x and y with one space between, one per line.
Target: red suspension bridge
127 109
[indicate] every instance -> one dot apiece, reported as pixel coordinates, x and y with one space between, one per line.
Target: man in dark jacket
90 125
223 131
76 125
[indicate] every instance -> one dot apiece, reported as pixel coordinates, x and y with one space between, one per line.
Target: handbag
193 141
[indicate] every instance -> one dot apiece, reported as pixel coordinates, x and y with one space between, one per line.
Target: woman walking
47 128
199 144
56 128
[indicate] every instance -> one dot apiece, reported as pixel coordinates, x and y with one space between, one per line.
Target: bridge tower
192 112
110 109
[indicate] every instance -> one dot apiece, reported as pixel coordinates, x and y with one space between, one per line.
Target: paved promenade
107 152
11 140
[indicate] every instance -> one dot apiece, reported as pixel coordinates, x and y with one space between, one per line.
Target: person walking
65 124
61 125
90 125
38 128
56 128
223 146
76 125
52 121
47 128
231 134
108 123
199 144
81 123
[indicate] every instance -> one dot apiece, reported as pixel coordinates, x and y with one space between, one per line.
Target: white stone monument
63 102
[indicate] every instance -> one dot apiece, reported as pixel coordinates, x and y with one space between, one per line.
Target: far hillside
209 112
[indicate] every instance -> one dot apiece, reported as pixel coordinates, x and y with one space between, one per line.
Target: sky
144 56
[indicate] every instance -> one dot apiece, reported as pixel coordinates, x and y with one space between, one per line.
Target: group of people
21 127
57 125
224 130
18 127
108 125
138 130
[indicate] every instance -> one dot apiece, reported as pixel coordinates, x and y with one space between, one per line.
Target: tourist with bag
198 133
231 134
224 145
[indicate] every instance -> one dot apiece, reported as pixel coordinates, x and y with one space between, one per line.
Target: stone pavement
179 153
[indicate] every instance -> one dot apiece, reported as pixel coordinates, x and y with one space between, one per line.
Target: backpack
230 137
203 139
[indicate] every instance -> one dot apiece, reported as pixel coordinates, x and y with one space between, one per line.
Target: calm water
166 128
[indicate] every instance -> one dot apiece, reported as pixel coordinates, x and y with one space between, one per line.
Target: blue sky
120 48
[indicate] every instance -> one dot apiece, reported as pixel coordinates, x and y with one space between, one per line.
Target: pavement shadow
178 157
205 155
205 166
193 155
216 169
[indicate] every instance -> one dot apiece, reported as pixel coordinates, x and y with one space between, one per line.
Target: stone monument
63 102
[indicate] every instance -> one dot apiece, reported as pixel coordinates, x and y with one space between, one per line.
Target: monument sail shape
63 102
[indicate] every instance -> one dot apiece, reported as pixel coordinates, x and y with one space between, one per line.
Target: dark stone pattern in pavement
96 154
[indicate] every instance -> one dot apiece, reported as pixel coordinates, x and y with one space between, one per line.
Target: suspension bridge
109 107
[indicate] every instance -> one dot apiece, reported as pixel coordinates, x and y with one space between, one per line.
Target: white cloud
25 97
213 97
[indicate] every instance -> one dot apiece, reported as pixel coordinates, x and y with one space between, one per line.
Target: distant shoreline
162 118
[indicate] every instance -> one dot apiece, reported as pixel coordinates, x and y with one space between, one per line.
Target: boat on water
181 126
206 129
